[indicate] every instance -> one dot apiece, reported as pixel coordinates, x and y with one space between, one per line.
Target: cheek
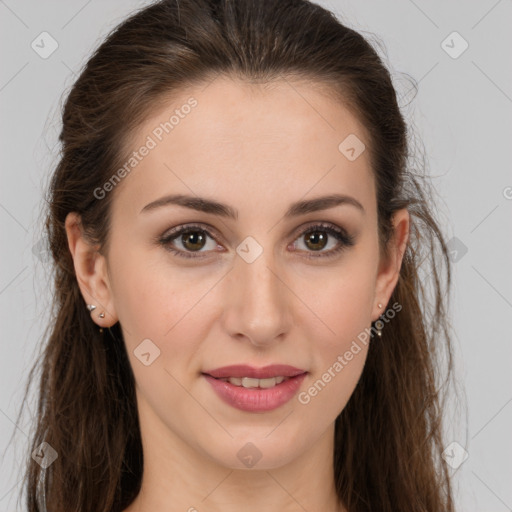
342 301
340 331
339 353
157 301
144 300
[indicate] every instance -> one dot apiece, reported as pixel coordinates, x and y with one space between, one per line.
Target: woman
237 237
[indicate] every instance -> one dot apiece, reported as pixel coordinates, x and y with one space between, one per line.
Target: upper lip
266 372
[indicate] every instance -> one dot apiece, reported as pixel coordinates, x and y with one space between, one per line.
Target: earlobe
389 269
91 273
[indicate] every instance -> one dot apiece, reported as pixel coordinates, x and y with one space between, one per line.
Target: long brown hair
388 439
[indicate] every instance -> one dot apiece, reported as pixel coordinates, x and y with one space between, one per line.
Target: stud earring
379 324
91 308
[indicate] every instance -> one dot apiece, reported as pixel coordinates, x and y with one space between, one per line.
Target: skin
258 149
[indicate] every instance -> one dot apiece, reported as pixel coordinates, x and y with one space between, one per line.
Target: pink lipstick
256 389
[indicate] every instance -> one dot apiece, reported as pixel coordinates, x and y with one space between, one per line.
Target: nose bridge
258 304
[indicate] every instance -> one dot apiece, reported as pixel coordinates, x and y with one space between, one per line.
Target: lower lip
256 399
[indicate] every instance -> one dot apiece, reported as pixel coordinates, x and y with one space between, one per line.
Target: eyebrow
223 210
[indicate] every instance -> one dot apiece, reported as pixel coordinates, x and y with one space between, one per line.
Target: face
273 277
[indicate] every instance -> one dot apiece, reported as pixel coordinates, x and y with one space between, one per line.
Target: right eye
192 238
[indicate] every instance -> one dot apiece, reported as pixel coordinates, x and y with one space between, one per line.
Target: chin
256 453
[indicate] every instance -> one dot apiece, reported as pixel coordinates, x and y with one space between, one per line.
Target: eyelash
341 235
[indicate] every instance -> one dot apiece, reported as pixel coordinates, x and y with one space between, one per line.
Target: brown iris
318 240
193 240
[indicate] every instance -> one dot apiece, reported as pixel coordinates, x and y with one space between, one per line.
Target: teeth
248 382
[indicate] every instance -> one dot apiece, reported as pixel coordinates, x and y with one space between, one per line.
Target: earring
91 308
379 324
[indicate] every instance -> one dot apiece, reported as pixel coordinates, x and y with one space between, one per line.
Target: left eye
316 238
194 238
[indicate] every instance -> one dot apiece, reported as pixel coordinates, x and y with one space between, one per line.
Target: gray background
462 114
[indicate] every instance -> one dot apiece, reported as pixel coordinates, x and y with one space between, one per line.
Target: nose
258 302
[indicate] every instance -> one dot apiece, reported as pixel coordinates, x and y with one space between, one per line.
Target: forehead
240 142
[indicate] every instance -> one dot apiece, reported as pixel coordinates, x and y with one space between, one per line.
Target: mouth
250 372
255 390
250 383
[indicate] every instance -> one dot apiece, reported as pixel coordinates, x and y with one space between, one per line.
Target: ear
91 272
389 268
